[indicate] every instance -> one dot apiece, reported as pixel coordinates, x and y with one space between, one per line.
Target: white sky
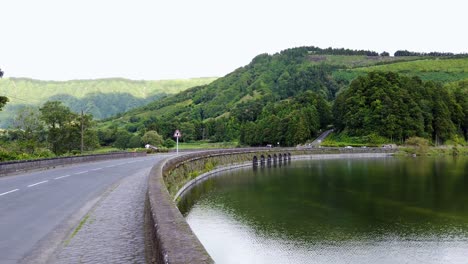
154 39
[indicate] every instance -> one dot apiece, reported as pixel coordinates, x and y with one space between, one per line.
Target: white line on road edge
81 172
37 183
97 169
9 192
110 166
62 177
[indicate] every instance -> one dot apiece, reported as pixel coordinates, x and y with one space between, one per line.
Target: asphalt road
322 136
37 208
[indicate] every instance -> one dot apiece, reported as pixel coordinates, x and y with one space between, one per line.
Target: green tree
398 107
189 131
122 139
3 101
135 142
153 138
107 136
169 143
29 129
28 121
57 119
65 129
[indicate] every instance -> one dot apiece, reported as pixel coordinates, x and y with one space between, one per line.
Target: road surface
39 210
320 138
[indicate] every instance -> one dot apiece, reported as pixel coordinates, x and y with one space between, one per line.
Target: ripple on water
358 211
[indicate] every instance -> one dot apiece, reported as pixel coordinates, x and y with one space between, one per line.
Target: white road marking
81 172
97 169
37 183
110 166
62 177
9 192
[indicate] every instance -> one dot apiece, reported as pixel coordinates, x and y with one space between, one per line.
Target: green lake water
381 210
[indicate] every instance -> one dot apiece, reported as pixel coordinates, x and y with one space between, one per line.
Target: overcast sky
153 39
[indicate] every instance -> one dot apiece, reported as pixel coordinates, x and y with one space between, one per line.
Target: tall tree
65 128
3 99
153 138
28 121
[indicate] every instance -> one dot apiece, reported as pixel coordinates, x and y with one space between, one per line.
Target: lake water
382 210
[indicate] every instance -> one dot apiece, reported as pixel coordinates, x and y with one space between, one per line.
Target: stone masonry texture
113 231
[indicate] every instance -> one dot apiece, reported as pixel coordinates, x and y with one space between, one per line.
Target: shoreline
203 177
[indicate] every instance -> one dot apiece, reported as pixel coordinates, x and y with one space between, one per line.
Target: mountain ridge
31 92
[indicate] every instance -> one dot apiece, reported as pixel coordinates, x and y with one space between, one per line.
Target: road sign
177 134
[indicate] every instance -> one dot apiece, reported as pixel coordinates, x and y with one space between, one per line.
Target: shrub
421 144
417 142
153 138
169 143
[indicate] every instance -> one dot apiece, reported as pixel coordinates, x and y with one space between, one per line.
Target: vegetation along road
50 216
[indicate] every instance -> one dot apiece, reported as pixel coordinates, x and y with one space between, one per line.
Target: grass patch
435 151
442 70
205 145
343 140
77 229
102 150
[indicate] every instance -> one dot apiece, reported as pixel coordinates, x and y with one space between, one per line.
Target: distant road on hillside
322 136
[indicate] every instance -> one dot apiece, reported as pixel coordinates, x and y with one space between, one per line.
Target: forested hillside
102 98
282 99
287 98
396 107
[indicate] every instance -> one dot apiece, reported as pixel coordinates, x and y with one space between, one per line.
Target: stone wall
11 167
170 238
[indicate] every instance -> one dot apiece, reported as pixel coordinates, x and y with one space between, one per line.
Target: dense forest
398 107
288 98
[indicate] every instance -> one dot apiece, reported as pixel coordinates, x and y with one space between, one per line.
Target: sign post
177 135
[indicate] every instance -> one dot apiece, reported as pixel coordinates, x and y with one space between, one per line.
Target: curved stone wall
170 239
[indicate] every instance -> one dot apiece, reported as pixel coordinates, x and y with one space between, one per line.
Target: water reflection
271 164
335 211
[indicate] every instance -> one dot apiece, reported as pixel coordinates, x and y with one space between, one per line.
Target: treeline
402 53
397 107
333 51
288 122
50 130
54 130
